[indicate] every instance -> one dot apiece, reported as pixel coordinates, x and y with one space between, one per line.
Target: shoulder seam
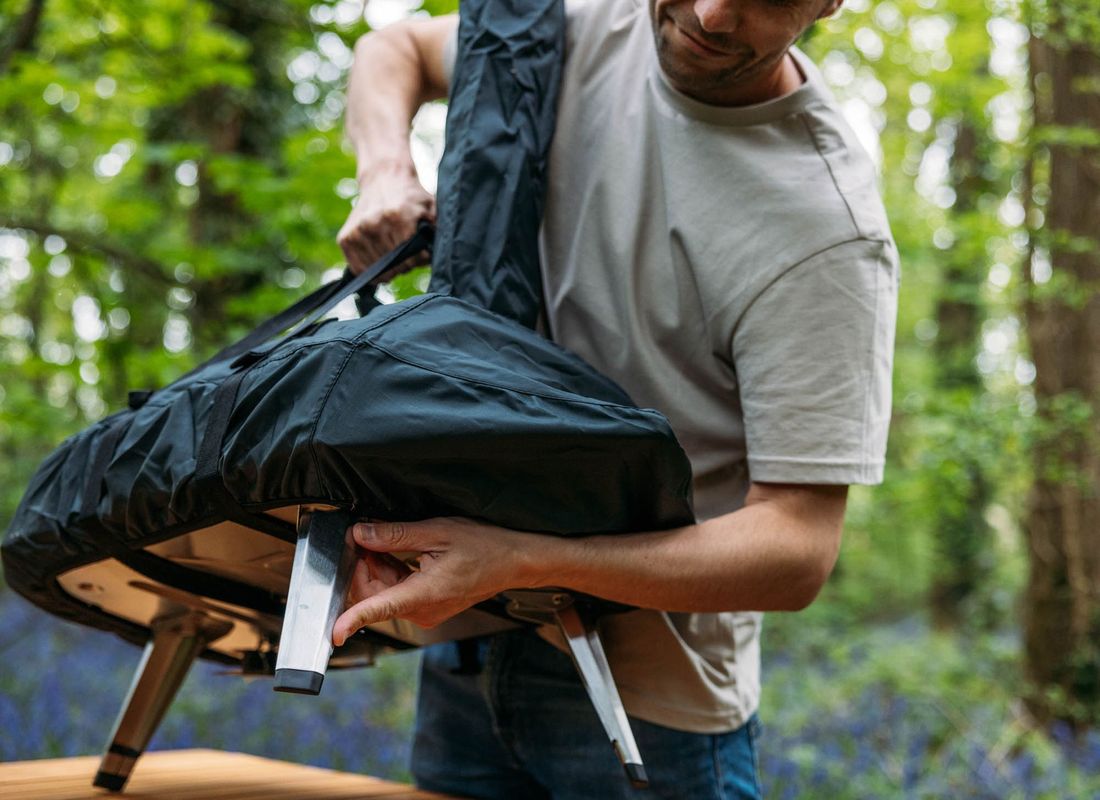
783 272
832 176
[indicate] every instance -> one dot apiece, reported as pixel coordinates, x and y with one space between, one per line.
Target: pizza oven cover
446 404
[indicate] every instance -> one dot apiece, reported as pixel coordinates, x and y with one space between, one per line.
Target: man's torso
666 220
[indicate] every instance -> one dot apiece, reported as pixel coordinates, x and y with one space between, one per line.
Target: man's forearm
760 558
379 111
392 75
774 554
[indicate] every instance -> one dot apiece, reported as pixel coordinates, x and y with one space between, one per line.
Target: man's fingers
356 253
360 585
378 224
387 569
391 537
397 601
362 250
374 573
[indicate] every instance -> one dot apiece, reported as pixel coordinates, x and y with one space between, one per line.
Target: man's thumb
388 604
386 537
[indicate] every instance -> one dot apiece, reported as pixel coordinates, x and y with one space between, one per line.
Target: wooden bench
197 775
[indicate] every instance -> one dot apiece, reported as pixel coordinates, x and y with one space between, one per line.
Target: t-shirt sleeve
450 53
813 354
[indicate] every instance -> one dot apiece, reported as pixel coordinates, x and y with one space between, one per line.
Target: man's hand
395 70
772 555
390 204
461 563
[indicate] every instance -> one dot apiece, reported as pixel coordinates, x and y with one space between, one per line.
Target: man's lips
699 46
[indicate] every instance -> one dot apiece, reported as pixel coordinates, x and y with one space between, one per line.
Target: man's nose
717 16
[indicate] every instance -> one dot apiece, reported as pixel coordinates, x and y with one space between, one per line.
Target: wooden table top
197 775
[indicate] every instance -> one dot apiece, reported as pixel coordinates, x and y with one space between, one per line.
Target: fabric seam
751 733
832 175
716 757
576 399
783 273
817 462
870 365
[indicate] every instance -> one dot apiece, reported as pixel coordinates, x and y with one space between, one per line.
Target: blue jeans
524 729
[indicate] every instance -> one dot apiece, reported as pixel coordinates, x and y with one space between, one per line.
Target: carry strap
319 302
210 448
313 306
417 243
207 467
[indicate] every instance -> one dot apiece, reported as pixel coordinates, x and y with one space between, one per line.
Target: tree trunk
22 38
961 535
230 121
1062 612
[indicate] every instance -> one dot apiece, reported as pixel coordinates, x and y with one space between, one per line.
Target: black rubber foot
298 681
109 781
636 773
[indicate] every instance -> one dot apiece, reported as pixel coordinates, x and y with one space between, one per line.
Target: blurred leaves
173 171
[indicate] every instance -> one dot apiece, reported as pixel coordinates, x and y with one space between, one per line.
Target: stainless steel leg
588 655
176 642
323 563
591 662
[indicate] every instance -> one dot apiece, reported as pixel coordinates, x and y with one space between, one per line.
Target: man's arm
773 554
395 71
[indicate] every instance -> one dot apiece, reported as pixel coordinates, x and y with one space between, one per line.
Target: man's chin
688 71
696 80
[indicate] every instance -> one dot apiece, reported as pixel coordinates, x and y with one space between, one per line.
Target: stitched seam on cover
160 400
410 304
285 354
528 392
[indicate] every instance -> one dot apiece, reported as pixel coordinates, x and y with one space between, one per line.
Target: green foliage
1065 22
922 74
172 172
1064 425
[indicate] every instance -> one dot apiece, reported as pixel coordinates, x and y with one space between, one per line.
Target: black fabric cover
492 177
433 406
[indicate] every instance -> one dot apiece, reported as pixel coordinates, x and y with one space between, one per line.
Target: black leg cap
298 681
109 781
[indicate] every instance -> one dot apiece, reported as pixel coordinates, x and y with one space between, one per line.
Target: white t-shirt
734 269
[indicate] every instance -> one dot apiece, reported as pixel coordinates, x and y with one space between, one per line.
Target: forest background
173 171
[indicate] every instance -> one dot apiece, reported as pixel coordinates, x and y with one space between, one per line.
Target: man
713 241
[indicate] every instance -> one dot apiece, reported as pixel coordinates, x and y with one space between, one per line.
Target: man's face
709 49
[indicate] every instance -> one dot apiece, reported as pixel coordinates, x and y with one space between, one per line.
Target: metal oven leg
323 562
591 662
176 642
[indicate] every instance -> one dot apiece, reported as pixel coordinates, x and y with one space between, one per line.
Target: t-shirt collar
812 90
